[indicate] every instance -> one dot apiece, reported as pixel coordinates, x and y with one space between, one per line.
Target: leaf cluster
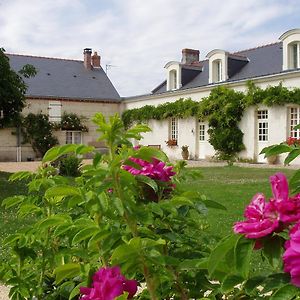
38 131
222 109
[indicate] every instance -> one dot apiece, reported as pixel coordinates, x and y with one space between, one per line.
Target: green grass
234 188
8 222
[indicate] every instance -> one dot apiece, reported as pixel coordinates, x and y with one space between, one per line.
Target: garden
134 226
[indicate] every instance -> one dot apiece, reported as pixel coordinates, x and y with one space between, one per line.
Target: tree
12 90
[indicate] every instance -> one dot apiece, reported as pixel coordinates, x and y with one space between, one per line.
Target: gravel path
33 166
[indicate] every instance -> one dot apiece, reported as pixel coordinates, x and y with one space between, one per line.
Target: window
201 132
54 111
263 125
1 114
173 135
294 120
173 80
294 55
73 137
217 70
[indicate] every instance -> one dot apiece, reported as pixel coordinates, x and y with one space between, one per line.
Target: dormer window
294 55
291 49
217 70
218 65
173 80
173 75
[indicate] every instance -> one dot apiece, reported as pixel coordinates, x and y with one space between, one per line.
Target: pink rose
261 219
291 256
109 283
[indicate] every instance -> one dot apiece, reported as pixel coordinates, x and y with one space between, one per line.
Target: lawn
231 186
234 188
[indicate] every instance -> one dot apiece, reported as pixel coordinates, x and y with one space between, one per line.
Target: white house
191 78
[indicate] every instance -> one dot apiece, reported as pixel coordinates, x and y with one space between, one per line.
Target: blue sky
140 37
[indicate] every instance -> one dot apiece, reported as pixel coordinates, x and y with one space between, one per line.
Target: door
202 136
262 133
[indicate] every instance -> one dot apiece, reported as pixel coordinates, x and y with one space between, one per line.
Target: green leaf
272 250
148 181
124 296
51 154
213 204
242 255
28 209
11 239
20 175
52 221
275 281
178 201
253 283
66 271
83 149
190 264
84 234
276 149
62 190
219 253
147 153
294 182
118 205
12 201
287 292
292 155
76 290
230 282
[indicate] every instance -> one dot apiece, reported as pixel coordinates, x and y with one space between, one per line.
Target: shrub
70 166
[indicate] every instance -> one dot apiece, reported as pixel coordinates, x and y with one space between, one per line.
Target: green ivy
70 121
222 109
38 131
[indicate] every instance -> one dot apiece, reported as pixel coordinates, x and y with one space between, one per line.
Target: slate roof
262 61
65 79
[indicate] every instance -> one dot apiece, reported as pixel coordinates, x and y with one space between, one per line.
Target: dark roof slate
262 61
63 78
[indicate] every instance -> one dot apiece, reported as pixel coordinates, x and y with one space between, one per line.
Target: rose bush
126 209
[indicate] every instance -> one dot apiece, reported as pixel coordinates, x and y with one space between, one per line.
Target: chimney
96 60
190 56
87 53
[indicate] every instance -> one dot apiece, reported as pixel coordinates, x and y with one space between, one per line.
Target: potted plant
185 152
171 142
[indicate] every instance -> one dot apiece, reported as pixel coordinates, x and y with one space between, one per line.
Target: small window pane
201 132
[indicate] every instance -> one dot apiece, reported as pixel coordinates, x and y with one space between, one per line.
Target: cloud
139 37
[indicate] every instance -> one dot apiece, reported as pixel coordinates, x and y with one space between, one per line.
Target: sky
136 38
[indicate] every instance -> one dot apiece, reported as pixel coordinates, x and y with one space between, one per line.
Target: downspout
19 149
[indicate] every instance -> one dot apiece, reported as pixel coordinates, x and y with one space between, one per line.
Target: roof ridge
257 47
37 56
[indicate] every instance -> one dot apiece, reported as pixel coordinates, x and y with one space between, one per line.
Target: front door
262 133
202 128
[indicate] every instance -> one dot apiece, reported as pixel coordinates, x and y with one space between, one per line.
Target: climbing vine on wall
70 121
222 109
38 131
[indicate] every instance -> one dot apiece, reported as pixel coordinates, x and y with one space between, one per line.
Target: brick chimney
96 60
190 56
87 59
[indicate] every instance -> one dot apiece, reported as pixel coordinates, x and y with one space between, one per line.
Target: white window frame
294 55
263 125
173 129
217 70
72 134
294 119
54 111
202 132
173 79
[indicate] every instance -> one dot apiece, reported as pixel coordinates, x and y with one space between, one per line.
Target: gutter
210 86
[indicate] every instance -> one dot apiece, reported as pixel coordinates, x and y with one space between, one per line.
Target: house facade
62 86
193 78
82 87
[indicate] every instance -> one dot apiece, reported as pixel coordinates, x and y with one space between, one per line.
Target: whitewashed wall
188 132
